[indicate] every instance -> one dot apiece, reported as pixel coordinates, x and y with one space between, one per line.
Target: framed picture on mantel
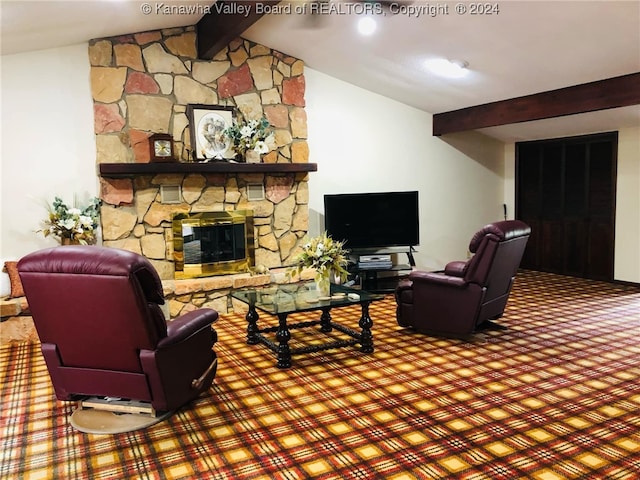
206 126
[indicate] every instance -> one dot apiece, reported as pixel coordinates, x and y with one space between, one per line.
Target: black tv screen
373 220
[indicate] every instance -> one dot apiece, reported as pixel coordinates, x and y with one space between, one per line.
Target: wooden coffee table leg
325 320
252 325
283 336
366 337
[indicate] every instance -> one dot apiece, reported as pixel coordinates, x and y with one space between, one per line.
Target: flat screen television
373 220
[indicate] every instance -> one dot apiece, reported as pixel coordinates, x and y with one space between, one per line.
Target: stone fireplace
141 84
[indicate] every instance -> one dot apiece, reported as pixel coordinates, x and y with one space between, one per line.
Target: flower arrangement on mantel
327 256
250 136
72 224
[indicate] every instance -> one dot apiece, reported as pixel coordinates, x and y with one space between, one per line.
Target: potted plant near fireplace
327 257
72 225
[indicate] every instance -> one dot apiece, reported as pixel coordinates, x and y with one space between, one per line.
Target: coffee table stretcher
283 334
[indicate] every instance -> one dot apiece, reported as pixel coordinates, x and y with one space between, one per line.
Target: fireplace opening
213 243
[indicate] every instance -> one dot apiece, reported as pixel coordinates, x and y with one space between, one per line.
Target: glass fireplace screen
213 243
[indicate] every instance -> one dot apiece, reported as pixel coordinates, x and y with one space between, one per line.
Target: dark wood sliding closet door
565 190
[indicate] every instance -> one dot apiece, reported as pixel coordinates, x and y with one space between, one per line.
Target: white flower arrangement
73 223
253 135
325 255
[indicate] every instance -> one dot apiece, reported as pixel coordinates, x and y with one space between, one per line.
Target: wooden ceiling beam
226 21
614 92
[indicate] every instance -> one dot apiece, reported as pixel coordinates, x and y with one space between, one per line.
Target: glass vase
323 283
251 156
69 241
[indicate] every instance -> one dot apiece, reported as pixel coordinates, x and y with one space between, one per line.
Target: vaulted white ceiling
519 48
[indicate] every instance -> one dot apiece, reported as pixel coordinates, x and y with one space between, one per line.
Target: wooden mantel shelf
120 170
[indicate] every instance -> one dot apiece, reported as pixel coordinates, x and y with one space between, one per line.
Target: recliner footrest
119 405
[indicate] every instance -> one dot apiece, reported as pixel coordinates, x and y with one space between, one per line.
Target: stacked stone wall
142 83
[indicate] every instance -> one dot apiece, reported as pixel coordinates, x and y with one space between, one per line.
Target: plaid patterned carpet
555 396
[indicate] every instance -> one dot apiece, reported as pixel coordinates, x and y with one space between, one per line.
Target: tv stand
379 278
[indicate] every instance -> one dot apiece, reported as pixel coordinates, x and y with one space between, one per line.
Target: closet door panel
601 242
575 247
528 201
552 255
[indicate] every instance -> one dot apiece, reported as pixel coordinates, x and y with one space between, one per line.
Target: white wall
360 141
48 145
363 142
627 258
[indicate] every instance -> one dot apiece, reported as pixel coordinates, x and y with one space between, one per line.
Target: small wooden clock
161 147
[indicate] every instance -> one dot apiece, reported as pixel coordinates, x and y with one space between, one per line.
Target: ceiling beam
226 21
589 97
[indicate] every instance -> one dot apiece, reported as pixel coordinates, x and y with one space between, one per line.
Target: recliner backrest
498 250
98 305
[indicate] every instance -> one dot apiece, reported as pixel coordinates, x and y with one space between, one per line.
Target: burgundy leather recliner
97 313
460 299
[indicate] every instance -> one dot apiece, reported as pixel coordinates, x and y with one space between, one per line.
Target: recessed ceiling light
447 68
367 25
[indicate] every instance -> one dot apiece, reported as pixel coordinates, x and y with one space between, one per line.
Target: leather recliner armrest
188 324
439 278
457 268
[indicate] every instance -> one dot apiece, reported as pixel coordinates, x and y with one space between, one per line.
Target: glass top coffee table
282 300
